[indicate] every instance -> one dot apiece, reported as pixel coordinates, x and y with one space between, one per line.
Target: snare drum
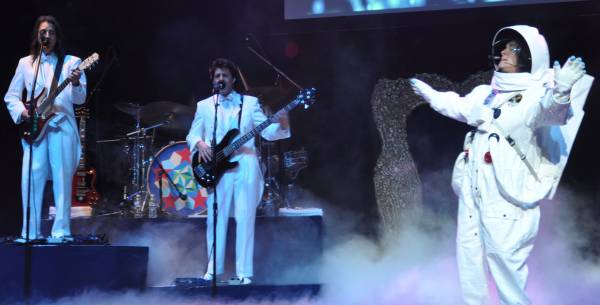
176 160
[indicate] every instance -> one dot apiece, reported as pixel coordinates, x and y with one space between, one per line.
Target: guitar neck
82 125
251 134
59 89
46 104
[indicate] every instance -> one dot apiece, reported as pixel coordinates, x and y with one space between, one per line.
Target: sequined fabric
396 179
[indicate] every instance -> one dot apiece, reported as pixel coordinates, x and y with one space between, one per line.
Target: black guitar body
204 172
208 176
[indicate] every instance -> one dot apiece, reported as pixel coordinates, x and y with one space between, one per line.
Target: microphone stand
31 112
274 68
171 182
213 145
28 245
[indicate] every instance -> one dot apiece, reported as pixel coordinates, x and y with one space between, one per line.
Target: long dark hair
34 47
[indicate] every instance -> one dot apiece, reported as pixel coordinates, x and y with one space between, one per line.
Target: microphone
218 86
498 59
44 40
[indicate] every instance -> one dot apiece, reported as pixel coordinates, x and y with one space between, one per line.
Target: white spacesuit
512 160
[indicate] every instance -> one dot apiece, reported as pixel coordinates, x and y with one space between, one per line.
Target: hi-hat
178 117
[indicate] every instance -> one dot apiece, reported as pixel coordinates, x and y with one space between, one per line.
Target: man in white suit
57 153
243 185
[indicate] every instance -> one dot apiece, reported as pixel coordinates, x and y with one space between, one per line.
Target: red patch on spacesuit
487 157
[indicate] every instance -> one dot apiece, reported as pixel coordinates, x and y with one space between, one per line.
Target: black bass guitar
33 129
207 176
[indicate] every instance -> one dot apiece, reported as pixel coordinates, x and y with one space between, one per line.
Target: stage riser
287 249
58 271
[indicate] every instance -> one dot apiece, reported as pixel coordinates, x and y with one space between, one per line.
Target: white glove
422 89
568 75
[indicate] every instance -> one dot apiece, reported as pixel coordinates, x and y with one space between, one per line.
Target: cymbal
178 117
129 108
269 95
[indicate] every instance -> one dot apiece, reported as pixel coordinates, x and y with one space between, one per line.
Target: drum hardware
163 115
271 196
293 163
122 139
162 173
152 207
272 96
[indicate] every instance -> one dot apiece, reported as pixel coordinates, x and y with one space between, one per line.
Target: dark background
157 50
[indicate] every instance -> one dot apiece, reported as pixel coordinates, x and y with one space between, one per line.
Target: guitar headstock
89 62
307 97
82 112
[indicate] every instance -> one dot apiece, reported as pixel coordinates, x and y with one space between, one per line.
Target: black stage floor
54 271
239 293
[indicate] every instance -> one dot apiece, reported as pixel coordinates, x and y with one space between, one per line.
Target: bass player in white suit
243 185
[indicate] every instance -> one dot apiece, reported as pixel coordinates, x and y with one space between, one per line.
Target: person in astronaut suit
499 185
243 185
57 154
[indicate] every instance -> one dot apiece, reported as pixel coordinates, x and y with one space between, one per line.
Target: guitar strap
240 113
56 76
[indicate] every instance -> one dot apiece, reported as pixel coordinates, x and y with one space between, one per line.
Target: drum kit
162 182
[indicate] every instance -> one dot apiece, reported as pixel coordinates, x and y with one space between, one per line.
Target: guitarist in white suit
56 153
241 186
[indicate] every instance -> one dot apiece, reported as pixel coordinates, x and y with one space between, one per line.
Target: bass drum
176 160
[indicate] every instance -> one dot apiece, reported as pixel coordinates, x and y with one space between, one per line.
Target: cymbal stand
271 197
137 152
140 166
293 163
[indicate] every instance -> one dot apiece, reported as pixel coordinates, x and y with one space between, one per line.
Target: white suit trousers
55 156
242 186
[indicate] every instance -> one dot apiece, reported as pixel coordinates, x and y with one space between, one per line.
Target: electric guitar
207 176
33 129
84 181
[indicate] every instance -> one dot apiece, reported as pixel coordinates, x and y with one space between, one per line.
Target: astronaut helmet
525 42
